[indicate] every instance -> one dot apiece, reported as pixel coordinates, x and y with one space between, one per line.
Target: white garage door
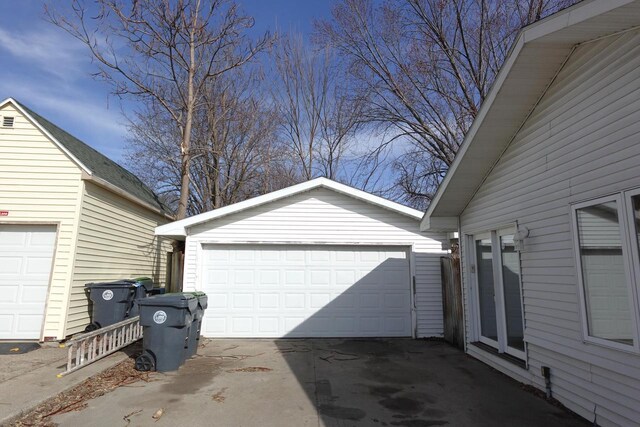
26 253
292 291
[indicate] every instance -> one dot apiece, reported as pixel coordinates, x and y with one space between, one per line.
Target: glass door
498 292
511 295
486 290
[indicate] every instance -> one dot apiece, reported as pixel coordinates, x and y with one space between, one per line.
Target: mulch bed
76 398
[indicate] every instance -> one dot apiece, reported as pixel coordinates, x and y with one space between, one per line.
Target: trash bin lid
177 300
144 281
202 298
115 284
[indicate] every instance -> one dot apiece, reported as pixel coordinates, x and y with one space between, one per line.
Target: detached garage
68 216
319 259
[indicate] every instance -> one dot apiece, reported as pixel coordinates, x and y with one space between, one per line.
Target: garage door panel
243 278
269 301
306 291
268 278
6 324
26 253
294 301
320 277
294 278
11 266
33 294
268 325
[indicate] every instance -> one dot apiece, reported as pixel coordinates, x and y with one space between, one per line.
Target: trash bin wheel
92 327
145 362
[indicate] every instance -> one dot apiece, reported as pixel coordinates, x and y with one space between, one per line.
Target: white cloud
49 49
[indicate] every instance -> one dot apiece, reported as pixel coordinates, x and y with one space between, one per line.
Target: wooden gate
452 300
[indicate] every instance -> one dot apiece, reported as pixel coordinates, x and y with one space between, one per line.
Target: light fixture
518 238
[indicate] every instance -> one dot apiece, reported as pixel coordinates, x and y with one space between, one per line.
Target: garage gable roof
96 166
178 229
538 54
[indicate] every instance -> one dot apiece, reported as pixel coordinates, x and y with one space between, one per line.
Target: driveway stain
384 391
434 413
419 423
192 376
323 388
403 405
342 413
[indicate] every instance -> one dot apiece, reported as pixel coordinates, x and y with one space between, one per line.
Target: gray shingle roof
99 164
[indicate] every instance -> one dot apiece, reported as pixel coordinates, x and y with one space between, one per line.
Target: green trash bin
194 335
166 321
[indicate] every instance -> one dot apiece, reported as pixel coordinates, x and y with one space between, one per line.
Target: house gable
95 165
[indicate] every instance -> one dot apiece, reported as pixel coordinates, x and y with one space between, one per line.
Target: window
497 291
606 239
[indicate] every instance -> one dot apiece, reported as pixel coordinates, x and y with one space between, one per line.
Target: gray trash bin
194 335
142 288
166 320
111 302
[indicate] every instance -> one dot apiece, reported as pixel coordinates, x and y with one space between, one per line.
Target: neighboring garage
68 216
319 259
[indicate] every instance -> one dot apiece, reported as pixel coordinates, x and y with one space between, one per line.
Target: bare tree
237 149
235 152
163 52
319 116
426 66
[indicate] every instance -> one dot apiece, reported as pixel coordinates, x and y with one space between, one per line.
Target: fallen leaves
76 398
158 414
127 417
251 369
219 396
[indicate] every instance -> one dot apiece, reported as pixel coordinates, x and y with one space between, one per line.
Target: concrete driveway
325 383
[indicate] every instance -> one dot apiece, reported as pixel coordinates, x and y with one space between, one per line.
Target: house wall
116 240
324 216
40 184
581 142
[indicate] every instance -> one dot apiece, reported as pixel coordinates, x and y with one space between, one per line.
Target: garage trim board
285 290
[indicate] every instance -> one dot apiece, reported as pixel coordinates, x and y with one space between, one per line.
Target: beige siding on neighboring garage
40 184
581 142
322 217
115 240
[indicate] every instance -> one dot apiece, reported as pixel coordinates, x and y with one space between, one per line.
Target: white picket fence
86 348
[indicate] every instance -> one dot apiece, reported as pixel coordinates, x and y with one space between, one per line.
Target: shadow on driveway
414 383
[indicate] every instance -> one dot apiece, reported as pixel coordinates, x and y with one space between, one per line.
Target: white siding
40 184
582 141
325 217
115 240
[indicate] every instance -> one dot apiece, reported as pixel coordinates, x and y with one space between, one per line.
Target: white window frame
622 200
501 322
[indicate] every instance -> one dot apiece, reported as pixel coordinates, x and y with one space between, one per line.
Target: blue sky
50 72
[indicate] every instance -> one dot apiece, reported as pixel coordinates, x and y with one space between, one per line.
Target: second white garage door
293 291
26 253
